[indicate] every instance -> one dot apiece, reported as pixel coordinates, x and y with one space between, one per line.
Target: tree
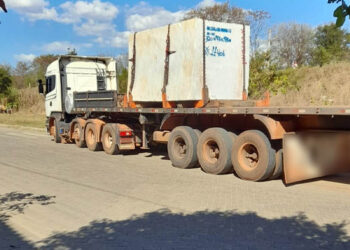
23 75
292 44
331 44
5 80
223 12
122 62
265 76
123 81
40 64
341 12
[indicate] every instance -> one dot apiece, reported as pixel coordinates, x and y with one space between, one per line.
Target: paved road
58 196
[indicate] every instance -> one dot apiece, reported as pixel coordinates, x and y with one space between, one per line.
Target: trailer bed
329 111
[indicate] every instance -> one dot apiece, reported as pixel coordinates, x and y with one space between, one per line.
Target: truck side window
50 83
101 84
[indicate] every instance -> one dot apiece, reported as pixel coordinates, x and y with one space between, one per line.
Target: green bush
123 81
12 98
266 76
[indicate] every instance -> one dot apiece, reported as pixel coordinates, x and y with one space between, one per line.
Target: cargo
194 60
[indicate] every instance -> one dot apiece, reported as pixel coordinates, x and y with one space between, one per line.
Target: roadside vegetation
295 63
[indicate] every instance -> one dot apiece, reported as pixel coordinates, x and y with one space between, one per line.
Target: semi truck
188 89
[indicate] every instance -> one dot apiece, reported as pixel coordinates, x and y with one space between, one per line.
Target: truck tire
253 158
198 133
182 147
277 172
109 140
214 151
56 135
91 138
233 137
79 136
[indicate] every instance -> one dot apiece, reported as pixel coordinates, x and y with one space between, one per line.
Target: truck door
52 98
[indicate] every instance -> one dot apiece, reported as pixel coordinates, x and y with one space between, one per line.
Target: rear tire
109 140
253 158
278 171
91 138
182 147
197 132
214 151
233 137
79 136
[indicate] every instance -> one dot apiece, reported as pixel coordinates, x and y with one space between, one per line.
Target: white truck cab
70 74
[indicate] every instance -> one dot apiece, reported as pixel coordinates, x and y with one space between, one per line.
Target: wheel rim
108 140
180 148
248 156
90 137
211 151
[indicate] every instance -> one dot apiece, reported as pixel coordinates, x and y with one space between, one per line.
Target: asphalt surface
56 196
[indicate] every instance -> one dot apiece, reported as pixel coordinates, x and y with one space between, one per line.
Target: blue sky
101 27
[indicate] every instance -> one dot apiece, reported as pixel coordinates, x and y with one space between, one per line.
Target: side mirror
40 87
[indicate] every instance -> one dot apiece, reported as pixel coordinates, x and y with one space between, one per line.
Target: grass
23 119
318 86
31 110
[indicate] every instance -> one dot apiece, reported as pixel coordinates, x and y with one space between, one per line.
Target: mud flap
314 154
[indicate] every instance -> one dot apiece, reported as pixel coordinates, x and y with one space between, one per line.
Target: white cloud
92 28
27 5
61 47
25 57
121 39
68 12
33 9
95 19
143 16
97 11
206 3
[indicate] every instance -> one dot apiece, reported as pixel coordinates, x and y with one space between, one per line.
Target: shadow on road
340 178
10 205
204 230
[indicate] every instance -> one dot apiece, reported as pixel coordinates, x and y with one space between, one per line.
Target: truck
188 89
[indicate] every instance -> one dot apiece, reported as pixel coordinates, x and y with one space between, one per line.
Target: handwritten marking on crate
216 34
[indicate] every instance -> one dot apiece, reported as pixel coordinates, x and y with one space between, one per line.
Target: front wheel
56 134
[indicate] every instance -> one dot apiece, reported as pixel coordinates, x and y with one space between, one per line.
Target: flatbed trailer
264 142
187 88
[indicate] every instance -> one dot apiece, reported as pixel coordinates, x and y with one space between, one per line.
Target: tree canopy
331 44
224 12
341 12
